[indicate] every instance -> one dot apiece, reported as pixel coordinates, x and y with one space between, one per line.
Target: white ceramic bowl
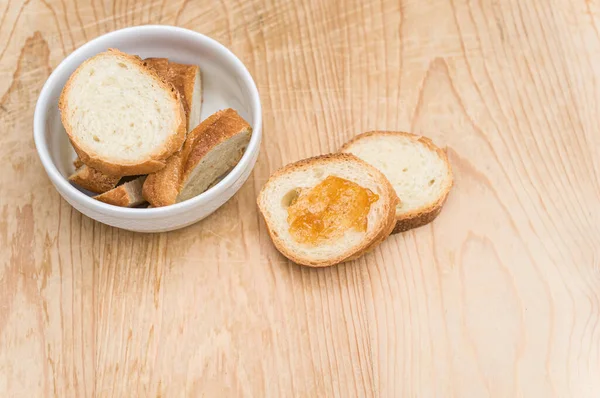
226 84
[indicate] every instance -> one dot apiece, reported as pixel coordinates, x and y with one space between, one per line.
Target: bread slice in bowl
214 153
187 80
93 180
418 170
120 116
328 209
128 194
210 150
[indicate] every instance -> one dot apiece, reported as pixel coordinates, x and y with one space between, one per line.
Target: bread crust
162 188
229 124
417 220
423 215
93 180
181 76
116 197
77 163
155 161
379 233
121 196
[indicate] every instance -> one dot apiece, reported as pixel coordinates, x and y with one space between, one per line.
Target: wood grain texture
499 297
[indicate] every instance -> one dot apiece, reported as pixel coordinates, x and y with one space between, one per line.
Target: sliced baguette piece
418 170
187 80
273 202
128 194
93 180
214 153
162 187
120 116
210 150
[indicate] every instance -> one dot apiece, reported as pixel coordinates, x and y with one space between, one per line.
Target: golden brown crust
206 125
181 76
378 235
161 188
116 197
386 232
108 168
420 219
93 180
156 160
226 126
304 164
122 195
160 65
423 215
77 163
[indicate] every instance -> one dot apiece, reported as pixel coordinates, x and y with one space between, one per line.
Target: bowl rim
39 128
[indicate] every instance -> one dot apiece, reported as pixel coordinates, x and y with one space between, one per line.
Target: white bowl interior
222 85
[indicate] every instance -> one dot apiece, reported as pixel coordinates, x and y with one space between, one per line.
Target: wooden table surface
499 297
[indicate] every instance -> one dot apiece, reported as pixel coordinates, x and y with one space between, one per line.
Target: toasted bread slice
210 150
187 80
277 196
121 117
93 180
418 170
128 194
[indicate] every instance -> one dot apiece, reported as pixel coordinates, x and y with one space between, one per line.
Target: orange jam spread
329 209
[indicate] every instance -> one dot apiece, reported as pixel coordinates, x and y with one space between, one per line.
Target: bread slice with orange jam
328 209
